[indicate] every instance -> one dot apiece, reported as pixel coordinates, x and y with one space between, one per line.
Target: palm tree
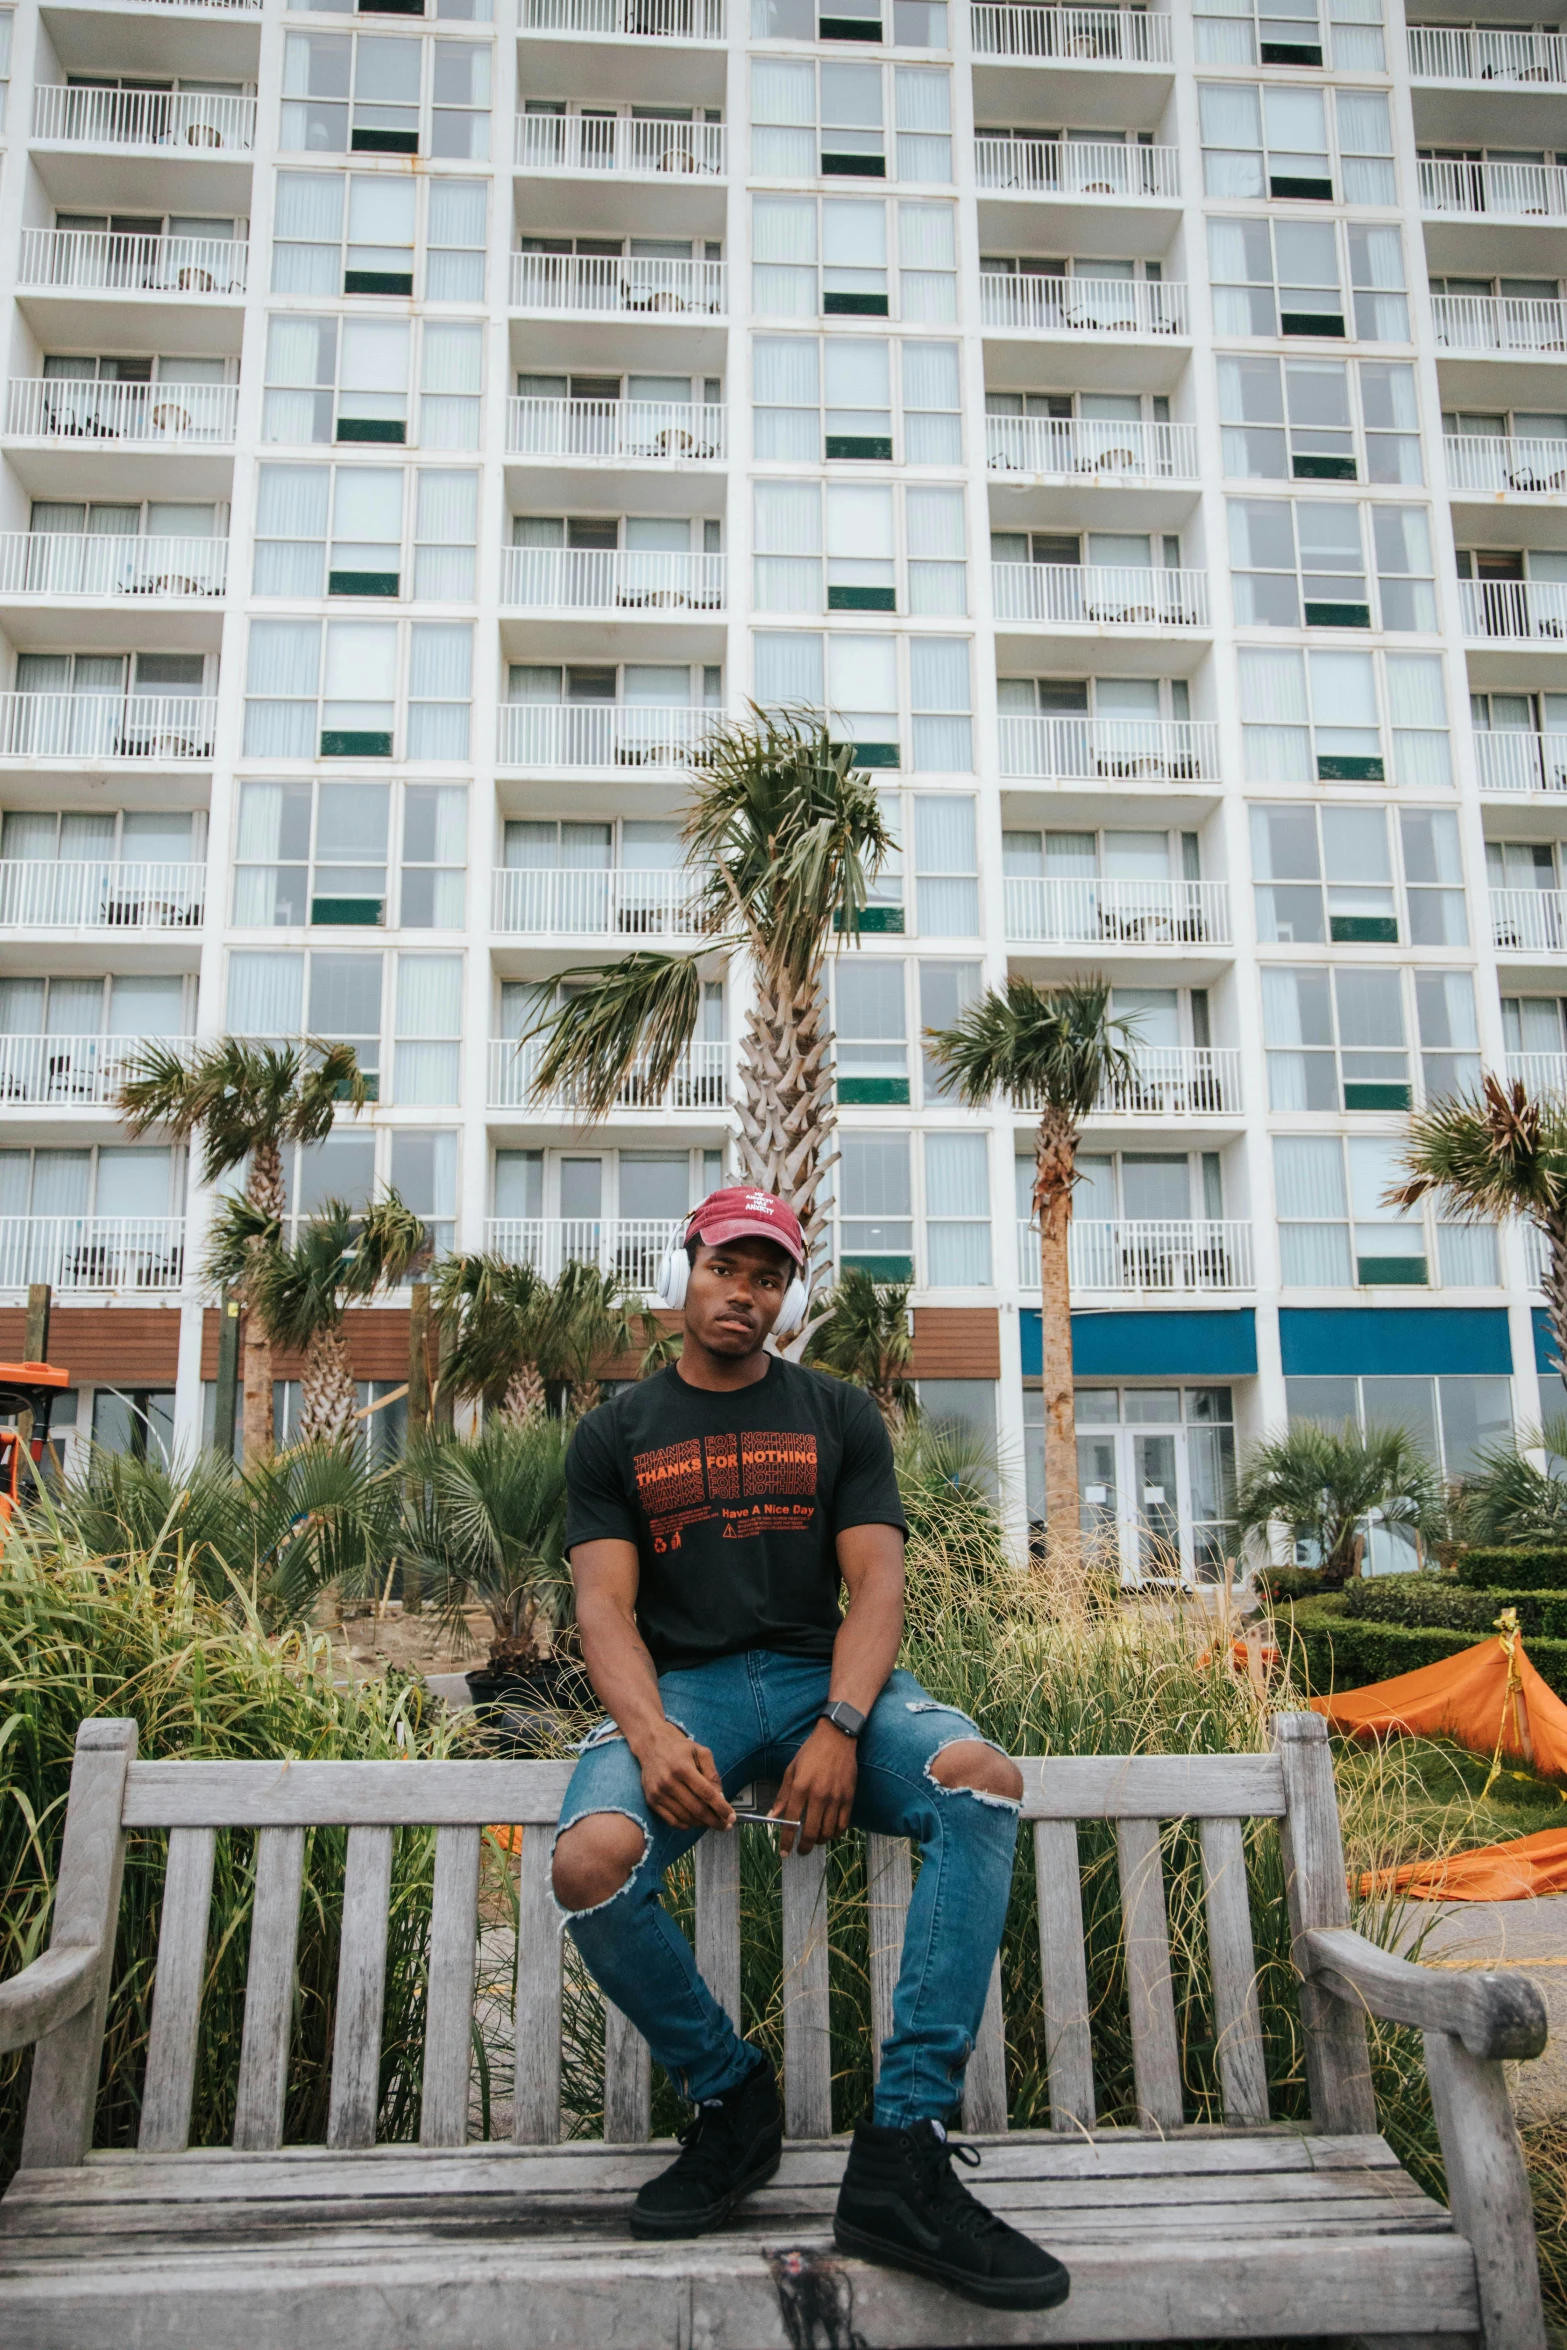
1324 1484
785 838
591 1315
300 1292
1504 1498
498 1314
246 1102
1491 1154
1053 1050
485 1524
864 1337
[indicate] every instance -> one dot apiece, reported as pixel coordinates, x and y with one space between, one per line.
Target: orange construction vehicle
25 1387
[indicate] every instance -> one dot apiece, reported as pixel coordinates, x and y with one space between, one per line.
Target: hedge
1440 1600
1540 1569
1345 1652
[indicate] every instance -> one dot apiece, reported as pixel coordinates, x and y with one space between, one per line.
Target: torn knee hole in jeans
606 1811
1010 1803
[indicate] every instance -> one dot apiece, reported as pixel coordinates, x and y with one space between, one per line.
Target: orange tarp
1489 1698
1513 1871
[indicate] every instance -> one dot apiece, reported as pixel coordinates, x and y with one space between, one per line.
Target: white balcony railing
1528 921
1499 322
637 20
1125 750
1044 305
599 283
621 143
554 902
611 578
1059 910
1476 461
103 261
107 726
1538 1073
63 1072
1116 1253
1514 608
701 1082
143 1253
73 409
1075 167
1071 36
89 893
602 734
56 563
627 1248
1478 53
1176 1081
1514 190
1066 448
1521 762
1099 595
80 115
656 431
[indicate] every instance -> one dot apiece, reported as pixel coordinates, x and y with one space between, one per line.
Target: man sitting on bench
713 1509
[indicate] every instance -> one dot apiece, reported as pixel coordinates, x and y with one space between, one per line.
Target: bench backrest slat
361 1989
1232 1967
718 1920
176 1991
535 2112
1063 1969
343 1794
269 1990
1151 1786
889 1886
985 2082
448 2031
628 2081
1150 1994
807 2039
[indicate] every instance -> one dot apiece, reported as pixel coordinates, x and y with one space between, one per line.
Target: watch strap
843 1716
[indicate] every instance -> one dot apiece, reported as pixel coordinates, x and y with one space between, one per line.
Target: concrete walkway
1528 1935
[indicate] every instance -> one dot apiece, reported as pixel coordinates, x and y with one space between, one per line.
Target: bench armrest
1492 2014
47 1993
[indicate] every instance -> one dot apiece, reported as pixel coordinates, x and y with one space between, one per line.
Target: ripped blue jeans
754 1711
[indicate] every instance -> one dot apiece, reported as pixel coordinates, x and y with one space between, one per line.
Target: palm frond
635 1017
1486 1154
235 1094
494 1311
388 1241
1054 1047
1324 1483
239 1232
864 1337
485 1522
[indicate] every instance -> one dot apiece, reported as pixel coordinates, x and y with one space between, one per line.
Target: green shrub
1344 1652
1274 1584
1442 1600
1542 1569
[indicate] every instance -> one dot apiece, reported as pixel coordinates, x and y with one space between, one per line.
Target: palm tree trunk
1054 1171
584 1396
526 1397
787 1106
264 1189
1553 1280
329 1399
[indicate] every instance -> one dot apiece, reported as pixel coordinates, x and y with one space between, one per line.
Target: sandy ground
415 1644
1530 1936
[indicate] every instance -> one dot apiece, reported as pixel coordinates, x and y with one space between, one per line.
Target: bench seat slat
448 2033
176 1996
269 1989
1064 1975
1150 1992
535 2112
1232 1962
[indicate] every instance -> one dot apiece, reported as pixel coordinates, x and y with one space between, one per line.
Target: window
836 399
72 1019
832 118
870 1022
957 1210
349 527
1286 277
1533 1026
1455 1419
1337 1036
1333 717
347 380
946 865
5 63
1294 419
946 990
458 11
875 1204
340 700
1336 1230
129 1181
1326 874
428 1028
635 685
915 24
1290 32
828 256
862 570
385 94
343 998
1292 561
317 853
858 683
1273 141
355 233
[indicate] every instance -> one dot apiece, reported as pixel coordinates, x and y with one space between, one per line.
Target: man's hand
680 1780
818 1789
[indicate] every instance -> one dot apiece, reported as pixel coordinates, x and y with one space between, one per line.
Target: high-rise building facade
1143 430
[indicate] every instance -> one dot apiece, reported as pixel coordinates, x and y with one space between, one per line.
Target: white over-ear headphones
674 1275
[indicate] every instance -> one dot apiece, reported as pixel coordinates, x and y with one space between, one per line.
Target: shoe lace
952 2200
705 2148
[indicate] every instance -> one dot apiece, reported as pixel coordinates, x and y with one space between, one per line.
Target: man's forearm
622 1672
869 1637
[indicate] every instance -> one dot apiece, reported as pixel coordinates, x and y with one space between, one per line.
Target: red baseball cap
738 1210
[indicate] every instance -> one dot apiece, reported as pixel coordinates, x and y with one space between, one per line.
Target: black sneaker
731 2147
901 2203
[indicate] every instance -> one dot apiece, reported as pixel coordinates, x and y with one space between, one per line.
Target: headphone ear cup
792 1312
673 1275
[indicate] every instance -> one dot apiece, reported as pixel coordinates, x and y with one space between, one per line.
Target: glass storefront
1155 1476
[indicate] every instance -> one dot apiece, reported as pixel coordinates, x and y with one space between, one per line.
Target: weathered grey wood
361 1990
1151 1786
1232 1962
718 1919
343 1794
46 1994
1488 2190
889 1887
176 1993
1494 2015
448 2031
1338 2063
269 1989
64 2087
1150 1992
628 2081
536 2060
1064 1975
807 2041
985 2082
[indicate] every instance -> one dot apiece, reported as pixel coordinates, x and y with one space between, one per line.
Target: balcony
151 121
63 1072
59 565
66 411
573 143
628 1248
1522 610
97 894
595 285
1074 595
700 1083
1075 167
157 727
606 579
1060 910
1499 465
1123 750
1500 322
1538 1073
1521 762
1082 305
1064 448
1157 1257
636 20
602 734
642 432
98 261
1176 1081
1510 191
1465 53
72 1253
1528 921
608 904
1070 36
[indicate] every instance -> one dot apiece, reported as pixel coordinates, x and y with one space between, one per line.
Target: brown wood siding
131 1346
956 1342
377 1344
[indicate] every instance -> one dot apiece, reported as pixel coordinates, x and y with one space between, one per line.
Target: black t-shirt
734 1502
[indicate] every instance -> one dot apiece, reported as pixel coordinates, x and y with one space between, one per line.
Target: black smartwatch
844 1717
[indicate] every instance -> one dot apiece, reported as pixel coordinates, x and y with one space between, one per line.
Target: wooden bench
1171 2231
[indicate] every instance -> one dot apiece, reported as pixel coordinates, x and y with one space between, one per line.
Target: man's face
735 1292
